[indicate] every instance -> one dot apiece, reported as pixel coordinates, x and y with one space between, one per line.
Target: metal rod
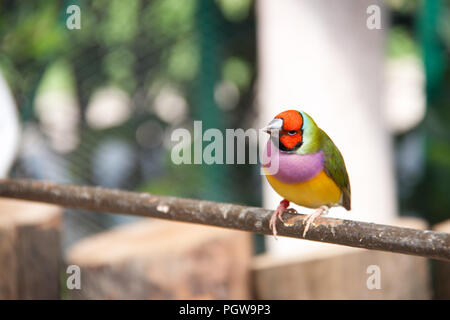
358 234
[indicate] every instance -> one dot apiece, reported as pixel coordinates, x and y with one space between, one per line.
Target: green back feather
335 168
315 139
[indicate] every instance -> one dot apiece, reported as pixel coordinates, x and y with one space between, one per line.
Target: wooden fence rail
423 243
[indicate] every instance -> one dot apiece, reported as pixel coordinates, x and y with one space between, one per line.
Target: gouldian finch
310 171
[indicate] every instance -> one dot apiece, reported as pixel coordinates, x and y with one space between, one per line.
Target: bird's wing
335 168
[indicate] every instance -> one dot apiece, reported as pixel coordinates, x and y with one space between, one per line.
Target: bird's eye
292 132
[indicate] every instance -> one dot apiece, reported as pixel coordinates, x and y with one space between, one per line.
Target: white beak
275 124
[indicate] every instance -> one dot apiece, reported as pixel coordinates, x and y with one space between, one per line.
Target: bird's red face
289 125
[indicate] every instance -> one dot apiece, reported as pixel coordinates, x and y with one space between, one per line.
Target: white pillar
9 128
319 56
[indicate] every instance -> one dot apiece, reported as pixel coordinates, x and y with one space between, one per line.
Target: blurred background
97 105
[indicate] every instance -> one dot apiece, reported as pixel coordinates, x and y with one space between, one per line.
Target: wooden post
29 250
160 260
442 269
343 273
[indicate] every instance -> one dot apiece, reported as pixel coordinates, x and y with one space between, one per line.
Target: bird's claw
272 224
282 208
311 217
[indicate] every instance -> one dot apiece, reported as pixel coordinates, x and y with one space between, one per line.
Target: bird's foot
311 217
282 208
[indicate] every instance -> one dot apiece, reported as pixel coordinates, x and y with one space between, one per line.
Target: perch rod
358 234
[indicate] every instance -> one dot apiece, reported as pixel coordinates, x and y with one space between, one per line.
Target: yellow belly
318 191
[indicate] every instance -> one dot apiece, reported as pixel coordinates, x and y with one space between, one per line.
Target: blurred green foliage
140 47
422 28
401 43
435 187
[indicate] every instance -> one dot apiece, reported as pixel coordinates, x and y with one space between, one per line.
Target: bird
304 166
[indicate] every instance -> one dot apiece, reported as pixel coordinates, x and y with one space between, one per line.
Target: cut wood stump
30 252
442 269
163 260
343 273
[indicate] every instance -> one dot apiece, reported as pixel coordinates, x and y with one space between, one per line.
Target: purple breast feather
292 167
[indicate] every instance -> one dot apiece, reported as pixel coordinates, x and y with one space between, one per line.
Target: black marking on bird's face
283 148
